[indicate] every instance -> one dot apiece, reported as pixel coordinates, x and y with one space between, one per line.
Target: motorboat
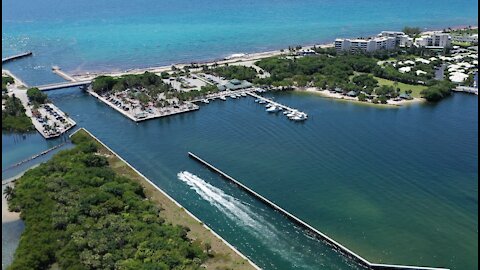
257 100
205 101
243 94
273 109
223 98
268 105
298 117
233 96
262 101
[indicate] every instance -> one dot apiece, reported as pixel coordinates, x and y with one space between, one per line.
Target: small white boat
243 94
298 118
273 109
233 96
257 100
223 98
268 105
286 112
262 101
205 101
292 113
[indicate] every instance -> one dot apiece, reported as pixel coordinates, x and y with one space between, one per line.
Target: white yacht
273 109
262 101
233 96
223 98
243 94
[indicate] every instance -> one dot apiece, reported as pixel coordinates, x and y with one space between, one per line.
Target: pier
466 89
319 235
61 73
61 85
17 56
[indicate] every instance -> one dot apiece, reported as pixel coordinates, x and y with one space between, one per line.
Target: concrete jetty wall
334 244
17 56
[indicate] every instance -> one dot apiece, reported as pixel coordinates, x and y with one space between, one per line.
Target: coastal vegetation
146 88
14 118
6 80
36 96
233 72
80 214
411 31
438 91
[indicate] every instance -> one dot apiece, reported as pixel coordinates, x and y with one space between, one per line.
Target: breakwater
318 234
17 56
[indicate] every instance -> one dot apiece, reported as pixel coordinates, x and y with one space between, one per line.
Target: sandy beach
328 94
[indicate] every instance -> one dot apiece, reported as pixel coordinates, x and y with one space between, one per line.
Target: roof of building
418 72
352 93
237 84
405 96
458 77
405 69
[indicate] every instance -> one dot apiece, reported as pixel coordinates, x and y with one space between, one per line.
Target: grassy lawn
223 257
403 86
462 44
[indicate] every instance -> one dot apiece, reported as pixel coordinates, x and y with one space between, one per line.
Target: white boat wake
241 213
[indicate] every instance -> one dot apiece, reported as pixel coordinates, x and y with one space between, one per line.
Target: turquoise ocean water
394 185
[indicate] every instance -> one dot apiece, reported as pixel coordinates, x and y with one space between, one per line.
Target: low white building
420 72
421 60
434 40
367 45
458 77
465 38
405 69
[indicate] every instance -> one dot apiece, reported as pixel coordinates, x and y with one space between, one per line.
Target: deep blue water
394 185
98 35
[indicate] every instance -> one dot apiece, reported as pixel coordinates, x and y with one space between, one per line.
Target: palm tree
8 192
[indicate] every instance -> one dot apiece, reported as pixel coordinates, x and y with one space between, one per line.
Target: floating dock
272 102
319 235
17 56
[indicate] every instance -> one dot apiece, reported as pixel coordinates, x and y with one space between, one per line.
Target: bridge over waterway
57 86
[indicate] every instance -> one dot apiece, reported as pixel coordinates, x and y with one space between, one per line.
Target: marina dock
466 89
319 235
17 56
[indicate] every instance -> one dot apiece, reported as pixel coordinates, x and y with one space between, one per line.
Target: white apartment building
436 39
367 45
401 39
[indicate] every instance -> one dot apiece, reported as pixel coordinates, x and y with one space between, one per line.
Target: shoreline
144 181
249 56
335 96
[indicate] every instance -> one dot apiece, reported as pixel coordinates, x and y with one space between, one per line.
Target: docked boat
262 101
292 113
257 100
298 117
223 98
233 96
243 94
268 105
273 109
205 101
